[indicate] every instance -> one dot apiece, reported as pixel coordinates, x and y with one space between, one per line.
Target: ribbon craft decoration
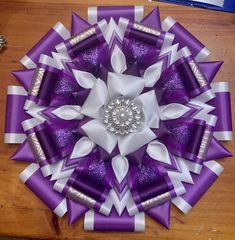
119 118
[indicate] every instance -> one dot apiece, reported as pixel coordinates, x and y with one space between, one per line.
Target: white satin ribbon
173 111
96 131
159 152
68 112
148 102
96 100
124 85
120 167
84 79
152 74
82 148
118 60
132 142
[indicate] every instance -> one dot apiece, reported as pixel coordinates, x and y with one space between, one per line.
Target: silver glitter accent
36 147
145 29
156 200
78 196
198 74
206 139
81 36
3 42
37 81
122 116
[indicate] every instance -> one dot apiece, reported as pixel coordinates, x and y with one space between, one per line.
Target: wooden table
22 214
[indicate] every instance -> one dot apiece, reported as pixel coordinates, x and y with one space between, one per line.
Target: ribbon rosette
119 118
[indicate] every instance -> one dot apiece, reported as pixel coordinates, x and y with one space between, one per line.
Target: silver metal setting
122 116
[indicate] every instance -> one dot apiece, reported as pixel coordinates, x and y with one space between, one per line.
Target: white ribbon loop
120 167
96 100
118 60
68 112
152 74
159 152
82 148
173 111
84 79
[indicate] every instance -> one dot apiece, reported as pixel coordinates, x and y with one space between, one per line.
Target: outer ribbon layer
118 120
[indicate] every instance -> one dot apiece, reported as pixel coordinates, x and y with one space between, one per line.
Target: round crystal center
122 116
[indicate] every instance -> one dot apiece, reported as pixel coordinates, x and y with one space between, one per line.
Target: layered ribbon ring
118 118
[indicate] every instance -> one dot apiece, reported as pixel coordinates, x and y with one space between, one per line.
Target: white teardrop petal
173 111
68 112
118 60
120 167
152 74
158 151
84 79
82 148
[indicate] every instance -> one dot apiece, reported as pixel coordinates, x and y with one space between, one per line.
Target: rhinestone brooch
122 116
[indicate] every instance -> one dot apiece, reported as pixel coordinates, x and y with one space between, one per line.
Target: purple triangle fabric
153 19
78 24
75 211
24 77
161 213
217 150
210 69
24 153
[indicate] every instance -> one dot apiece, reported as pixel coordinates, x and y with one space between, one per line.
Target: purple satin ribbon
15 114
43 188
116 12
222 105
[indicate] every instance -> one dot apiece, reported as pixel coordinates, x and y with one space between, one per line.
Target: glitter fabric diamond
146 175
139 49
122 116
97 171
63 137
182 133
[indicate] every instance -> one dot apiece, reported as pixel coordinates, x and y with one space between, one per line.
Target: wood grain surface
22 214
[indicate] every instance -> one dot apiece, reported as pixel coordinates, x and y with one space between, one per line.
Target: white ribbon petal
84 79
82 148
132 142
173 111
118 60
97 132
148 102
124 85
152 74
120 167
158 151
96 100
68 112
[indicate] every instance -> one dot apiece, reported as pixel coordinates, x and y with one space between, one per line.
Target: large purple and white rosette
118 118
